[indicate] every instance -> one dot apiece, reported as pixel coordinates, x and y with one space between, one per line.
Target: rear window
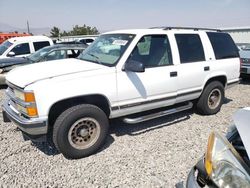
190 48
223 45
41 44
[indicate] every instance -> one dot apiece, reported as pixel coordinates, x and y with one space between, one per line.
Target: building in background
239 34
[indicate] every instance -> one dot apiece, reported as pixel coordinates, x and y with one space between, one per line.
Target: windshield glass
107 49
38 55
4 46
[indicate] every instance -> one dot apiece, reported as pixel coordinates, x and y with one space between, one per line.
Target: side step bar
158 114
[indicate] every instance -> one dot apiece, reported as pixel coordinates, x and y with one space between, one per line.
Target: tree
77 30
55 32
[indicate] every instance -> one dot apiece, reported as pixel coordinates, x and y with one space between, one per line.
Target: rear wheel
211 98
80 131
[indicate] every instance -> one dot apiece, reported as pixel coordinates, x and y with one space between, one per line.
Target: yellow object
32 111
29 97
208 157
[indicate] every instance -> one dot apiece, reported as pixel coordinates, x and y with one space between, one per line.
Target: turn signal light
29 97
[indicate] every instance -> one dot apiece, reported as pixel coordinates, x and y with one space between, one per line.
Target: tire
80 131
211 98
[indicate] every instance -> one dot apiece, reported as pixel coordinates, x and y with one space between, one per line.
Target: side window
89 40
190 48
223 45
21 49
83 41
57 54
73 53
39 45
153 51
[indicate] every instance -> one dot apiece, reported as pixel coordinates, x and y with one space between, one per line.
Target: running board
158 114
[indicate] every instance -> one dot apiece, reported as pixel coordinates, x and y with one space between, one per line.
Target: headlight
27 104
25 96
245 60
224 165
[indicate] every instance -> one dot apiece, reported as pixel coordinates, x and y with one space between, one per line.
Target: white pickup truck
122 74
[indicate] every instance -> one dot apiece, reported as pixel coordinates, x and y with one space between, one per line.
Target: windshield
107 49
38 55
4 46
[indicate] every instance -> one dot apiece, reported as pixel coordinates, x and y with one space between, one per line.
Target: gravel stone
157 153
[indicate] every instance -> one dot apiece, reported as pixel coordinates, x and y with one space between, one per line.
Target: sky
125 14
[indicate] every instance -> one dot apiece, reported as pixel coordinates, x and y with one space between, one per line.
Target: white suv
23 46
122 74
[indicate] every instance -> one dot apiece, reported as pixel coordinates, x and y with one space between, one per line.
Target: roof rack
189 28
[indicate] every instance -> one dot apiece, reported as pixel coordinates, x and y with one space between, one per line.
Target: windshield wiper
96 57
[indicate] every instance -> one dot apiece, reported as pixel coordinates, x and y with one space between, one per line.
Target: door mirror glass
134 66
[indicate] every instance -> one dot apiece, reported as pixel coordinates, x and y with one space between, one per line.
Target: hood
25 75
9 61
244 54
242 122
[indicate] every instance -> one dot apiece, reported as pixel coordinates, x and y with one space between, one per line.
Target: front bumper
198 177
192 179
28 126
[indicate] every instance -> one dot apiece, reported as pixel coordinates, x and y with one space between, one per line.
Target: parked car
226 162
23 46
54 52
166 70
244 51
86 40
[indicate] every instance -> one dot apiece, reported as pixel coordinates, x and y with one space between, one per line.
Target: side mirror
11 54
134 66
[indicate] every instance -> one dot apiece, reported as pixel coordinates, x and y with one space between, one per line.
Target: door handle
173 74
207 68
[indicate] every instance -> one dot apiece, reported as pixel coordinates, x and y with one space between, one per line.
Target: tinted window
39 45
89 40
223 45
152 51
73 53
190 48
21 49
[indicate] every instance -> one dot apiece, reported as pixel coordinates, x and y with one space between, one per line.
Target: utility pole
28 27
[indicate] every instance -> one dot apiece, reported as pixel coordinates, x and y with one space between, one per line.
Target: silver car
226 162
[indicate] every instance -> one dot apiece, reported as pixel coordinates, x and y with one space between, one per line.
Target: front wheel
211 98
80 131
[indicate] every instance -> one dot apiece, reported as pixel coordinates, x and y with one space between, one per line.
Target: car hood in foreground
25 75
242 121
9 61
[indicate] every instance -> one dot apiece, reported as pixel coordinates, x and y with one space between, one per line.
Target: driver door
156 86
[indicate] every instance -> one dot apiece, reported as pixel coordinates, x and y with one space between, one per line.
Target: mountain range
35 31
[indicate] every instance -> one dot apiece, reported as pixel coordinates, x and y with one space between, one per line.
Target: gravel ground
157 153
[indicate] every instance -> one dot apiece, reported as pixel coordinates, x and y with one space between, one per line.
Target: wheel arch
220 78
58 107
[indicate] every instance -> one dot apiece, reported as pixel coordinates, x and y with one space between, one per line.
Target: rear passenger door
193 67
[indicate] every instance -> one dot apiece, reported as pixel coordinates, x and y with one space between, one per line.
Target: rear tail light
241 62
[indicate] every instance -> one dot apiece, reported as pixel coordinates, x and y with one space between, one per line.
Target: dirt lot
157 153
